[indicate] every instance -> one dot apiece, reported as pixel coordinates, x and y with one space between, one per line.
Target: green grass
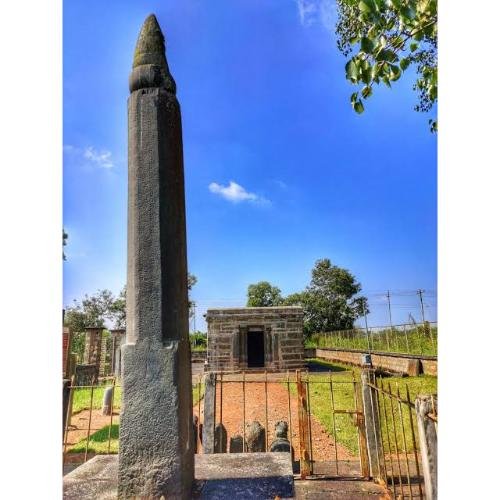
343 399
423 384
82 397
346 431
98 441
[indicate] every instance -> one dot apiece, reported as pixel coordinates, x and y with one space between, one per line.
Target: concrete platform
220 476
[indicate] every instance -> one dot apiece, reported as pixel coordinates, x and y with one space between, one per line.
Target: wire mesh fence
410 338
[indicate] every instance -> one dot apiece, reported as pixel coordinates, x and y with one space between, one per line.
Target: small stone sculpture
281 442
220 439
236 444
106 401
255 437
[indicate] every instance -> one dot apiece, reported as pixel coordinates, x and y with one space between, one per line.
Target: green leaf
351 70
354 98
358 107
366 76
404 63
395 72
372 32
413 46
397 42
367 45
408 12
386 55
375 70
366 6
353 40
366 92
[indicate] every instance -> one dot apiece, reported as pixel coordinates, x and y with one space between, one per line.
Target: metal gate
351 425
323 412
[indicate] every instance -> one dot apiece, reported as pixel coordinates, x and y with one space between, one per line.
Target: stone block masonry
265 338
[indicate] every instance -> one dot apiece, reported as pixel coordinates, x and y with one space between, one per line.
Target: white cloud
90 155
235 193
100 158
281 184
317 11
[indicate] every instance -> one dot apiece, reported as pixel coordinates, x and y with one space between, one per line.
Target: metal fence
323 413
400 454
326 414
408 338
88 428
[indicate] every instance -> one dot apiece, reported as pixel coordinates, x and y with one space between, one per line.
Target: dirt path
78 428
278 409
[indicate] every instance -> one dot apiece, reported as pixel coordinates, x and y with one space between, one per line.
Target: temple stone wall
228 337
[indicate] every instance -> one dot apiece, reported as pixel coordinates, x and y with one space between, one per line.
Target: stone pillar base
156 439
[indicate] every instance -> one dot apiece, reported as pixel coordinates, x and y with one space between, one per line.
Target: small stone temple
269 338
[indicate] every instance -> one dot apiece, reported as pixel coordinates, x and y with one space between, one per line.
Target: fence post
209 414
66 393
427 434
372 422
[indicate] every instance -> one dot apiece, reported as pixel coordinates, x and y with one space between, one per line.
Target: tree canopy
386 38
94 310
97 309
330 301
263 294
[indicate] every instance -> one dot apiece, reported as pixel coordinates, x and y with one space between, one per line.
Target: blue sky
279 170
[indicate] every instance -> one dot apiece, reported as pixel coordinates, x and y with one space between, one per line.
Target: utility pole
366 325
420 292
390 318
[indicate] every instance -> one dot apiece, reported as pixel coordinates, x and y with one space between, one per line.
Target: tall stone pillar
156 440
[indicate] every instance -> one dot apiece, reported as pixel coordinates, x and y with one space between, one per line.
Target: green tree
263 294
386 37
118 309
94 310
192 280
330 302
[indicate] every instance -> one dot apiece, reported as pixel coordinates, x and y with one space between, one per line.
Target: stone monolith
156 456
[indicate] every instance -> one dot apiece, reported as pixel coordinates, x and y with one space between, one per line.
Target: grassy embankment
417 340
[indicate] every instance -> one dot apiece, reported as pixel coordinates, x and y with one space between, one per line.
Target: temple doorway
255 349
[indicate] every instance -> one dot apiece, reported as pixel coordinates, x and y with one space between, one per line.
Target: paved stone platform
220 476
339 489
